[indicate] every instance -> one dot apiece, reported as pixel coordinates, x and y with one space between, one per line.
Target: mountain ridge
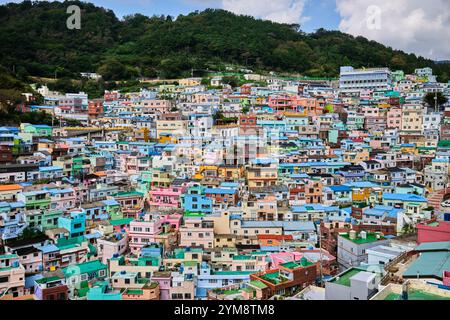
36 42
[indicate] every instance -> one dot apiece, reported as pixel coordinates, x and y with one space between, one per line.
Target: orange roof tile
10 187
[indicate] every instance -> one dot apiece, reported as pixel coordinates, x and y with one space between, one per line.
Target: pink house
31 259
62 199
166 197
164 280
436 231
394 118
173 220
283 257
197 232
111 245
144 230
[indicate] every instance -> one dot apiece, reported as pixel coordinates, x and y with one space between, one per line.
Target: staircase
436 199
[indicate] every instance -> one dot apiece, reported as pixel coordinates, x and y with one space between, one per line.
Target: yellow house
262 176
167 139
412 118
161 179
361 194
170 127
190 82
231 172
355 157
408 148
206 172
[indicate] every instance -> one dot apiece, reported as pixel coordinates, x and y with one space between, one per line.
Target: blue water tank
447 217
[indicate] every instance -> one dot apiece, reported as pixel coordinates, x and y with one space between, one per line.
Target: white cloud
415 26
283 11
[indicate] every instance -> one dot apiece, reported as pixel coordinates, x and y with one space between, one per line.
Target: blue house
75 223
352 173
195 201
209 280
339 194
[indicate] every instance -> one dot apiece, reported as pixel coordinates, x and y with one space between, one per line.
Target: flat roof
371 237
344 278
416 295
257 284
429 265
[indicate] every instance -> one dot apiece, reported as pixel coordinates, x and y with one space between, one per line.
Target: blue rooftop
403 197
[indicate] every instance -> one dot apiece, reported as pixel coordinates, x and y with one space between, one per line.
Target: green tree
231 80
113 70
430 99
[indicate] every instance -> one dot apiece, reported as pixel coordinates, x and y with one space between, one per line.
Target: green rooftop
248 289
134 291
69 243
151 285
190 263
120 222
371 237
47 280
87 267
130 194
297 264
242 257
257 284
274 277
444 144
194 214
344 278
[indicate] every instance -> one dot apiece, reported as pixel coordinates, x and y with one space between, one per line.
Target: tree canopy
35 41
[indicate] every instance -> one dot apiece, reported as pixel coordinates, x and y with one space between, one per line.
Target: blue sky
415 26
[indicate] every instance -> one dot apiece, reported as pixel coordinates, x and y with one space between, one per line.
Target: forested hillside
35 42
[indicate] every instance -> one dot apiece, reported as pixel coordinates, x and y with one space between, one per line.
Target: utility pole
436 102
320 251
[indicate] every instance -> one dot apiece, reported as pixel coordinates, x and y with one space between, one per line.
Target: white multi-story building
426 73
432 121
352 80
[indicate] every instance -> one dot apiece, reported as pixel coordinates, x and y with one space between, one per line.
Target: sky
415 26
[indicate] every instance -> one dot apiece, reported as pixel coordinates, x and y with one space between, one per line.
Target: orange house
361 195
9 192
273 240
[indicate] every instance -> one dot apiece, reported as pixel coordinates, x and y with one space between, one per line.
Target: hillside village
276 189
